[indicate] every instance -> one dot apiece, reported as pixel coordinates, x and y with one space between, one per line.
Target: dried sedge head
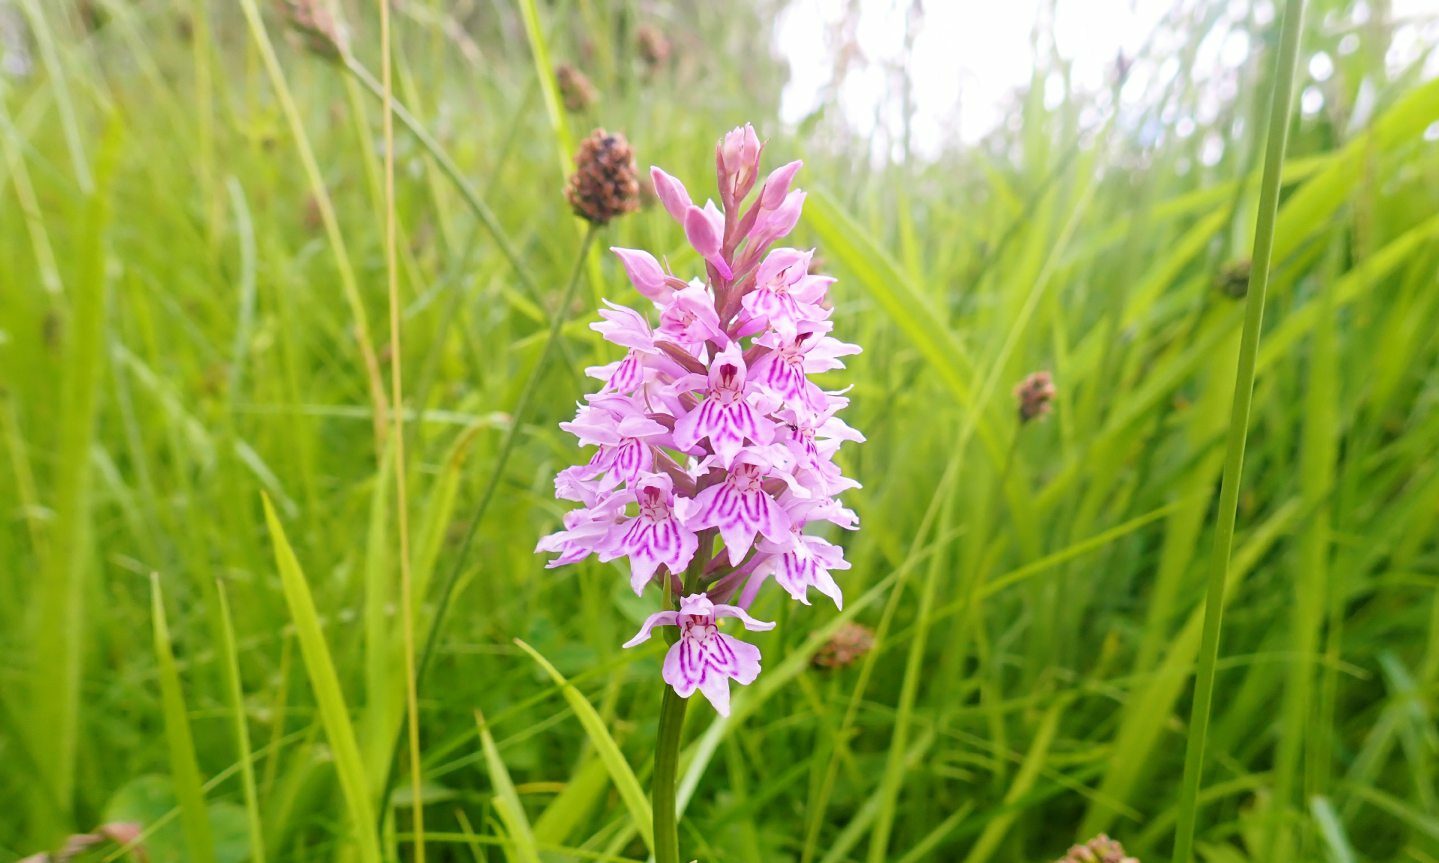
653 46
1035 394
605 183
1100 849
1233 279
848 644
311 19
576 91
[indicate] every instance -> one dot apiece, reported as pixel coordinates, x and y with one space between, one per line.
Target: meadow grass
204 631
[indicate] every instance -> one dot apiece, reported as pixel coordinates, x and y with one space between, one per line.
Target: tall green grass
192 259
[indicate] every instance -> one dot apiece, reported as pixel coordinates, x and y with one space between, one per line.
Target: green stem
663 790
667 762
1277 138
481 210
517 420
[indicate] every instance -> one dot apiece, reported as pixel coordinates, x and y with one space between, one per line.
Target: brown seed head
1034 395
312 20
849 643
576 91
1100 849
1233 279
653 45
605 183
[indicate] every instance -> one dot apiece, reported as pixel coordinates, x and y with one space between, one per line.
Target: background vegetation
191 265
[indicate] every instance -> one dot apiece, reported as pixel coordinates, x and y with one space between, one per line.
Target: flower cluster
710 427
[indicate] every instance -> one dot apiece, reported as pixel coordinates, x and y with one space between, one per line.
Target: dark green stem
663 790
667 762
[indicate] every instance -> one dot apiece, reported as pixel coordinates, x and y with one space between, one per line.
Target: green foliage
191 246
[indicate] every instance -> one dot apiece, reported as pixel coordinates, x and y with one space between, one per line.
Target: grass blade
184 770
609 751
1277 137
522 845
60 596
230 666
320 667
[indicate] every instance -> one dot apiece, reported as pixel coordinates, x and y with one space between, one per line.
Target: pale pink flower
704 658
655 537
727 417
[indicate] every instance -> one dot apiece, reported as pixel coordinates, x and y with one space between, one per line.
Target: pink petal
659 618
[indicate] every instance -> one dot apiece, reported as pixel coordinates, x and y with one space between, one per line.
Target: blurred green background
192 271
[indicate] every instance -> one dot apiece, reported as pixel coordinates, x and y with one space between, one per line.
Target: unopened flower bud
605 183
1034 394
738 156
776 185
645 273
672 194
704 229
576 91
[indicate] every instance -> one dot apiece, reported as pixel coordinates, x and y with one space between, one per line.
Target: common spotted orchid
714 464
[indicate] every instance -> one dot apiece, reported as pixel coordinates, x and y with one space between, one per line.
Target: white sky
970 55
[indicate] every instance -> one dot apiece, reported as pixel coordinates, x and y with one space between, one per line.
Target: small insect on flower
1035 394
715 468
1100 849
605 183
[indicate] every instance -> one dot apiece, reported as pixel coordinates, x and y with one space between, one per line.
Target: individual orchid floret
625 435
585 530
805 563
813 436
654 537
726 418
704 658
623 326
740 506
784 370
784 293
689 319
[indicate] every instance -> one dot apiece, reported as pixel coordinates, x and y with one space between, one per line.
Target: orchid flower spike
715 434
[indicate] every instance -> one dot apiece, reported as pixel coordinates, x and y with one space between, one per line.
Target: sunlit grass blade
605 746
1332 830
1276 139
521 847
59 601
334 715
184 770
230 667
